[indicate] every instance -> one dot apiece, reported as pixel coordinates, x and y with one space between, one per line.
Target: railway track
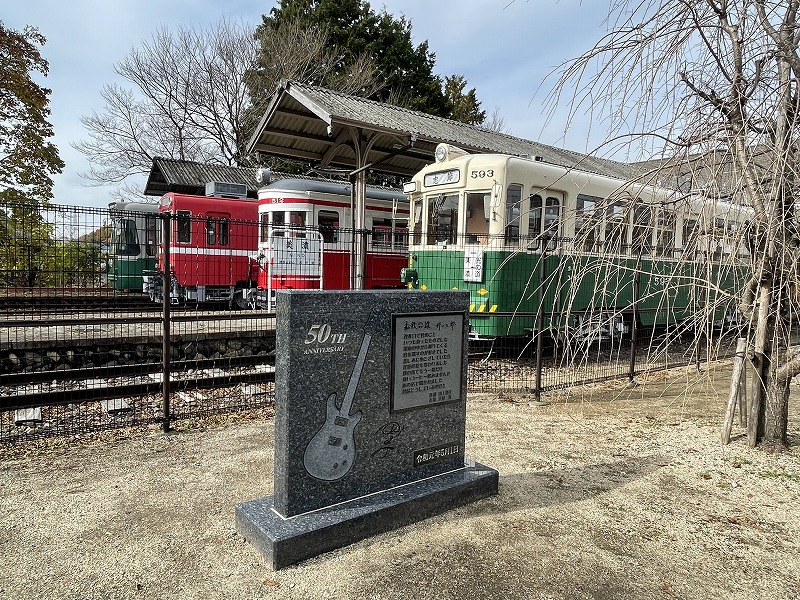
17 300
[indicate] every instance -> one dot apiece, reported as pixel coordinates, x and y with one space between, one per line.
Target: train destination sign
426 359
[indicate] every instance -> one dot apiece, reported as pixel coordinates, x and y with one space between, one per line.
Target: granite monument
370 420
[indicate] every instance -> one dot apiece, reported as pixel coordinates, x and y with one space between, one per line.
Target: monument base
286 541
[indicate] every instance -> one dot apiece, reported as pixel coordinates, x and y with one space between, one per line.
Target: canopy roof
331 129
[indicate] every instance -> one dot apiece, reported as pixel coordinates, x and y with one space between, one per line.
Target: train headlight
446 152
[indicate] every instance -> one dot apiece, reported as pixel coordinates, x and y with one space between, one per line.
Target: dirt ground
605 492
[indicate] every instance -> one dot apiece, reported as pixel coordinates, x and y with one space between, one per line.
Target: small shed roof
187 177
323 126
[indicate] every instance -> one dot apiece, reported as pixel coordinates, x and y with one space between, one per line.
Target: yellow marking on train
483 291
423 287
455 289
493 308
472 307
482 308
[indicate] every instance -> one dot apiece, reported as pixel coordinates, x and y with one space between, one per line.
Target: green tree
465 107
358 34
27 159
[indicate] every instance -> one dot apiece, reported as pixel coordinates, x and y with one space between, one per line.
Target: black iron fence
101 329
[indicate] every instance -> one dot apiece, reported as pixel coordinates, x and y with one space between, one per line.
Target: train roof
331 187
133 206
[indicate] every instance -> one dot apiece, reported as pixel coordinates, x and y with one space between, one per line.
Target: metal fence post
166 297
637 282
540 325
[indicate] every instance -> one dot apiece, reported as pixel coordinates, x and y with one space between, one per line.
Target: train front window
416 215
211 231
278 223
535 217
477 226
552 216
184 227
513 206
443 219
264 227
297 222
223 232
125 238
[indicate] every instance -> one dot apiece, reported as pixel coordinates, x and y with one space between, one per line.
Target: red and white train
225 247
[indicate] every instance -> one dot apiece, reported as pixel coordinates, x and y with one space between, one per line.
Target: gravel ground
605 492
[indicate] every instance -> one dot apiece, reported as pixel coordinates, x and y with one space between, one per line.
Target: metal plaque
427 359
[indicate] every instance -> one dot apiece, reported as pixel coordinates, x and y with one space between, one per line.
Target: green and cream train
573 252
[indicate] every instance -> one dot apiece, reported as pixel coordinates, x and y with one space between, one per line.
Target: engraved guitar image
330 453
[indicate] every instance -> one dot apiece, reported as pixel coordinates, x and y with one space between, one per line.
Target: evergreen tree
356 31
465 107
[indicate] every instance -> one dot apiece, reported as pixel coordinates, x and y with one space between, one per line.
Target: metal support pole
166 298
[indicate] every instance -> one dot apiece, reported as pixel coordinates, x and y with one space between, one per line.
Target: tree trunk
776 407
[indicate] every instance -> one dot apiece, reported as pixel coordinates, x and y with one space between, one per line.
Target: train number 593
481 174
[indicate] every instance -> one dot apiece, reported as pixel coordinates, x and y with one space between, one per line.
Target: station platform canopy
332 130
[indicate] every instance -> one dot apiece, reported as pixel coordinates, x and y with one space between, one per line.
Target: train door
387 252
336 255
220 268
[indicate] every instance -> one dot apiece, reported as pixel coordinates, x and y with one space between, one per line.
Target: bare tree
712 85
299 52
187 101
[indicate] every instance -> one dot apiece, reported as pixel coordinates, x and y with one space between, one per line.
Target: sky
504 48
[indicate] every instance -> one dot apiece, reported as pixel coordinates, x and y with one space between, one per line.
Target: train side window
665 233
691 231
223 232
443 219
184 227
477 224
616 237
513 207
328 223
401 238
381 233
535 218
642 242
552 218
211 231
587 222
